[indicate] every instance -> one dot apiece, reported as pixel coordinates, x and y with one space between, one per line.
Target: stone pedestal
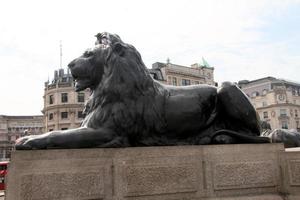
215 172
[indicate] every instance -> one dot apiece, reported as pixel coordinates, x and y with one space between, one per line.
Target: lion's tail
242 137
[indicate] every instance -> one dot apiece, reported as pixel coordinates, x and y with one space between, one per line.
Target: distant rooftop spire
205 63
168 60
60 55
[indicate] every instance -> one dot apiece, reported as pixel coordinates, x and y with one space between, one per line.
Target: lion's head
123 89
88 69
111 63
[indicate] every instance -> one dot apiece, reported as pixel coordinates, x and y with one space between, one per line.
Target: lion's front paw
29 143
21 143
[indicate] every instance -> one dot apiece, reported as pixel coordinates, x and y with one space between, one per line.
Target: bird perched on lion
128 108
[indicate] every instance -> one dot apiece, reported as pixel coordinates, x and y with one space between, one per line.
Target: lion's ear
119 48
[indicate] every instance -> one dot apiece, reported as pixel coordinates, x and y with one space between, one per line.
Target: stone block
241 170
241 175
290 172
158 172
214 172
56 174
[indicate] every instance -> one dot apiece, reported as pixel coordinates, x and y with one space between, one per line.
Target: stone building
62 105
13 127
178 75
277 101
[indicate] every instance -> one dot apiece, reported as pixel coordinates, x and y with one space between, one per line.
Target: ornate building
13 127
178 75
62 105
277 101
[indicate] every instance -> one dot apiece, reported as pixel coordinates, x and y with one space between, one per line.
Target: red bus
3 172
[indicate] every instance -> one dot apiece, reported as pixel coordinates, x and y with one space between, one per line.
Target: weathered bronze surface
128 108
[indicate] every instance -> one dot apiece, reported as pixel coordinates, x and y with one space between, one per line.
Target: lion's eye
88 53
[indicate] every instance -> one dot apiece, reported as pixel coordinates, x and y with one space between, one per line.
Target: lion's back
190 108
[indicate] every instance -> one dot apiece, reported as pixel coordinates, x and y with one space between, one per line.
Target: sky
241 39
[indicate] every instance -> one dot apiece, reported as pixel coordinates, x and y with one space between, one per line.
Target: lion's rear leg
236 110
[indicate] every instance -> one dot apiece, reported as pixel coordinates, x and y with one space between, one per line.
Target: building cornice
277 105
53 107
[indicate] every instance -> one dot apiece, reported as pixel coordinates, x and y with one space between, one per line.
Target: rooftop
271 80
60 77
21 117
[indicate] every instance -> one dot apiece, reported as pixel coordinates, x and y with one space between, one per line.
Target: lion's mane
125 99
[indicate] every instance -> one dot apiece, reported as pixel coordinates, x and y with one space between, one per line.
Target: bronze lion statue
128 108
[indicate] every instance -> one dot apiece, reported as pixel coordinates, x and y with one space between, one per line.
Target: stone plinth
215 172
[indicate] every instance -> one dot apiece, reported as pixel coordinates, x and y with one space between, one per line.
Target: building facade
13 127
277 101
172 74
63 107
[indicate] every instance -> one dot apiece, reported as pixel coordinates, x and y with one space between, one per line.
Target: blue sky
242 39
282 26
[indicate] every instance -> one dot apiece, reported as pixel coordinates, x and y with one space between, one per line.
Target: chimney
195 65
61 72
55 75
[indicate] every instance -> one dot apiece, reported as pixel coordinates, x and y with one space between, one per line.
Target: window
208 75
254 94
64 97
185 82
174 81
50 116
297 124
284 125
64 129
283 113
197 82
169 80
80 97
79 114
64 115
64 79
265 114
296 113
51 99
264 103
3 167
51 129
